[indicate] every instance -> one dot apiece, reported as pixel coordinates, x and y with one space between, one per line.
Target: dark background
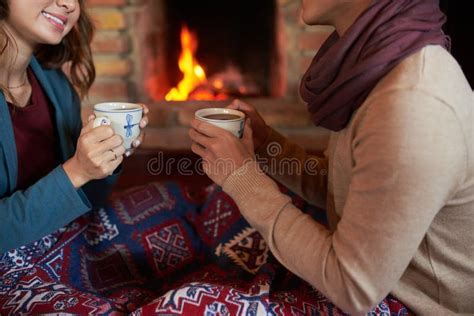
460 27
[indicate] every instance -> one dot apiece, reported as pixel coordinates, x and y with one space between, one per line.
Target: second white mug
228 119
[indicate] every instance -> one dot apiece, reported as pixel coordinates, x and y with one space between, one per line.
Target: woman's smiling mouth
57 20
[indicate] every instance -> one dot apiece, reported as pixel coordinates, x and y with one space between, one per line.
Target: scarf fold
347 68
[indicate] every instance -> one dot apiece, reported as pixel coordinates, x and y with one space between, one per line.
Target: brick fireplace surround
120 75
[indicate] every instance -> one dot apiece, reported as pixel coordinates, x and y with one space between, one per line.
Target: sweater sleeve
408 160
292 166
44 207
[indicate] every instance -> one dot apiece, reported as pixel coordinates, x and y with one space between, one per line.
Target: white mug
124 118
228 119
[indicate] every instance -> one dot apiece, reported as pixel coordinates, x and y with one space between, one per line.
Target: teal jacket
52 202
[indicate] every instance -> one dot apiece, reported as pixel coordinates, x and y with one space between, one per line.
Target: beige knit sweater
398 186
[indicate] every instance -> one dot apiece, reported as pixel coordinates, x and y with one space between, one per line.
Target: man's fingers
198 150
199 138
234 105
247 137
240 106
206 128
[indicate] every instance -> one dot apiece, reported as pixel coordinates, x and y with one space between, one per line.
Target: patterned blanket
161 249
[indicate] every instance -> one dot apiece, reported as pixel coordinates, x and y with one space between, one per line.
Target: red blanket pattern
160 249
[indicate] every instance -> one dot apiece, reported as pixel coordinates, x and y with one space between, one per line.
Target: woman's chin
51 40
50 37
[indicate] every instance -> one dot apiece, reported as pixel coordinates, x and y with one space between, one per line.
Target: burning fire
194 75
196 86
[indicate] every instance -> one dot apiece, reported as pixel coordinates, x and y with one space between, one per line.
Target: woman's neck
16 71
15 60
14 63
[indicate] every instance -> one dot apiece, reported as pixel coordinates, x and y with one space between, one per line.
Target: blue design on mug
129 126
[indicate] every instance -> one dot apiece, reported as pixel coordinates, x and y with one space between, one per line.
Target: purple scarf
346 69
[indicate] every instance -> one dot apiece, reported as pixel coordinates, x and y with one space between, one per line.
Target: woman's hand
143 123
259 127
99 152
222 153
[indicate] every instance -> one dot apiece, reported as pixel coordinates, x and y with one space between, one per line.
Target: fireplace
235 47
256 51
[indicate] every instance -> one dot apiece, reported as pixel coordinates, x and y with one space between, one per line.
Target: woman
398 176
52 170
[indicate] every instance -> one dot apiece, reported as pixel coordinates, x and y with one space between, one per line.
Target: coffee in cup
124 118
228 119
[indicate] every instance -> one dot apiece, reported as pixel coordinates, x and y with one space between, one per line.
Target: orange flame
193 73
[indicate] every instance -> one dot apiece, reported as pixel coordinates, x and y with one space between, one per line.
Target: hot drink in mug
228 119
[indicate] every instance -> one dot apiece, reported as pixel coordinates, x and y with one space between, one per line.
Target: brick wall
119 71
114 48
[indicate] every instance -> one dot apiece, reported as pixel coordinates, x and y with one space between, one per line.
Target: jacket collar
7 139
7 142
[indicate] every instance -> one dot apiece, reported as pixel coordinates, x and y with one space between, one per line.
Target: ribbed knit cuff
243 180
257 196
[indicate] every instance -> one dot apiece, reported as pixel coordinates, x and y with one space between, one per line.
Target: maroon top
346 68
35 136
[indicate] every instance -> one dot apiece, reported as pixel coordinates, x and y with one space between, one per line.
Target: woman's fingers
137 142
89 125
119 150
145 108
111 155
113 163
95 135
144 120
111 142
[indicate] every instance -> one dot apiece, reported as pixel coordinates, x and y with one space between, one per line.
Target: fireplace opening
234 48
